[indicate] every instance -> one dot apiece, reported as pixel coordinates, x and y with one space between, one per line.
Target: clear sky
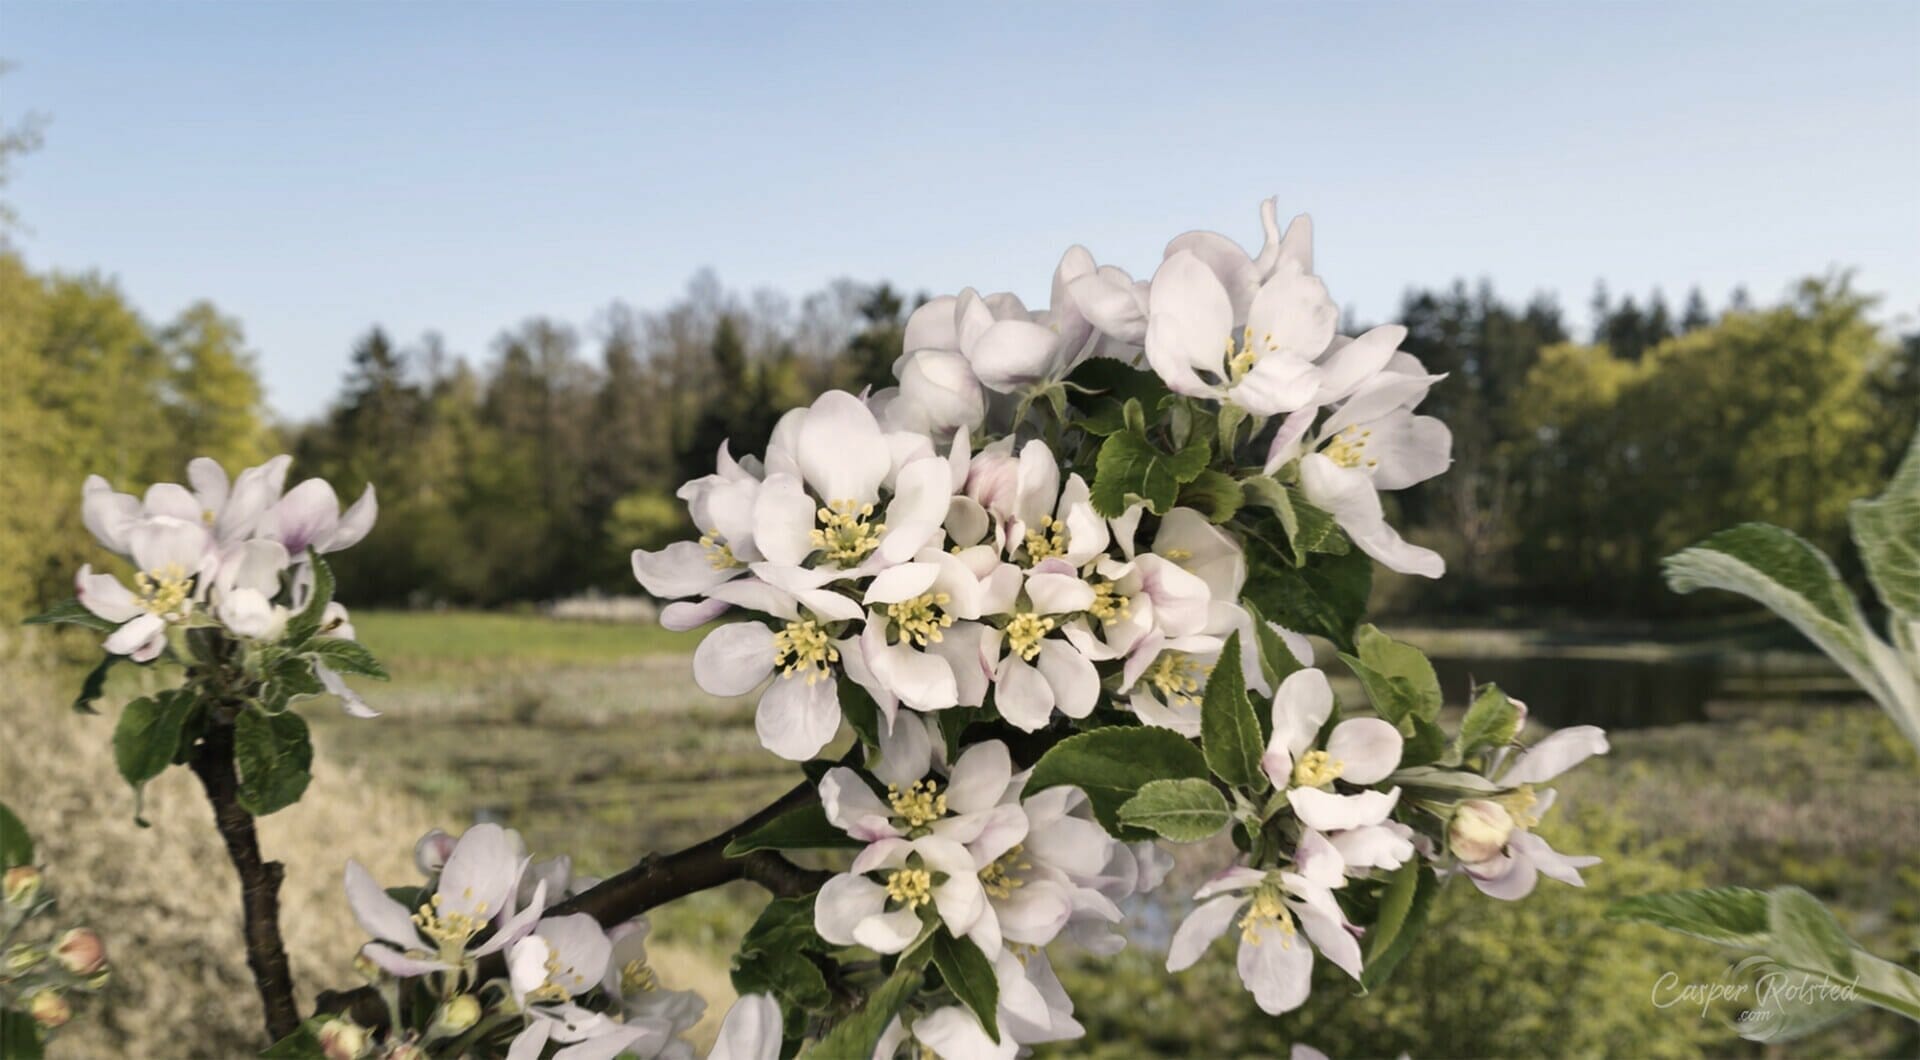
316 168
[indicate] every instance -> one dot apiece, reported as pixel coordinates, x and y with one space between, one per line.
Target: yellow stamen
921 619
166 591
1349 448
1178 678
919 804
1049 540
1108 605
912 888
804 646
1025 632
998 880
1267 910
1519 806
845 532
636 977
450 931
1316 768
719 553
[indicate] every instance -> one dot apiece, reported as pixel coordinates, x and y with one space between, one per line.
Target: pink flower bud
22 886
432 851
1479 831
49 1009
81 952
343 1039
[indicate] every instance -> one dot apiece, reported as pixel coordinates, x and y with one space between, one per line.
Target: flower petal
1368 749
1208 921
1276 968
796 719
843 903
378 913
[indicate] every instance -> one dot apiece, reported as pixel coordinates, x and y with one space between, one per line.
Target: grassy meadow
592 739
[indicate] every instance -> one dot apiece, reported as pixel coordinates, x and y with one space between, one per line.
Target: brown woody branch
259 879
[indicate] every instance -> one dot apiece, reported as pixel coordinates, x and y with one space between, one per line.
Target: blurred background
525 266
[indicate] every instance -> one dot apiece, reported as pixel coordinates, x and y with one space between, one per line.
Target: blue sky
316 168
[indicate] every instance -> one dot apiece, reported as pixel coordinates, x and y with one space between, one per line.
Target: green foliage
71 612
857 1035
969 974
16 846
1404 907
1112 764
1397 676
1184 811
1730 916
147 738
803 828
777 956
1327 596
1132 468
273 754
1887 530
1230 734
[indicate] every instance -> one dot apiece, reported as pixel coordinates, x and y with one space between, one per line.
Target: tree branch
259 880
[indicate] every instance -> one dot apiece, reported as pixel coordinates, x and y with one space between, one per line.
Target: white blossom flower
309 517
1359 752
1035 671
173 559
1275 964
636 992
1039 876
473 896
1263 361
750 1031
1493 838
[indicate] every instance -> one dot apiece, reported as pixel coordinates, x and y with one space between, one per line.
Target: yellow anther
1241 356
1349 448
845 531
1316 768
1025 632
1178 678
921 619
1178 555
450 931
912 888
719 553
1047 541
919 805
1267 909
998 879
1108 605
166 591
636 977
1519 805
804 646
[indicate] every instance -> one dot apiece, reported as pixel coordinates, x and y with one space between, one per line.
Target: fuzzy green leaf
802 828
1129 466
1111 765
1230 733
273 753
1184 811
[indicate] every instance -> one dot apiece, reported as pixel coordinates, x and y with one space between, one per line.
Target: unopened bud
49 1009
363 966
22 957
1479 831
22 886
81 952
404 1051
432 851
343 1039
457 1015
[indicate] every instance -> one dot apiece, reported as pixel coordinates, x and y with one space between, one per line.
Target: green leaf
969 974
1398 677
1129 466
1112 764
1277 661
302 627
1444 781
348 657
1327 597
19 1037
857 1035
801 828
1426 745
72 612
861 712
1887 529
1730 916
1791 578
1106 416
1805 934
16 846
292 678
1118 380
1318 531
1492 721
302 1044
1214 494
1798 1003
1229 730
789 975
1403 916
147 737
1184 811
95 685
273 753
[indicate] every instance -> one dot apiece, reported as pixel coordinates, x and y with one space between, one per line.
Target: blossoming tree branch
1063 585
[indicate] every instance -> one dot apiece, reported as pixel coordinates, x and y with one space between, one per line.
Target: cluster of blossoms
1046 579
566 981
42 968
233 554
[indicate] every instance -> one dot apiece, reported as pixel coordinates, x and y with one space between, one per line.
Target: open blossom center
1519 806
1047 541
1108 605
1244 354
636 977
998 880
449 930
1267 909
551 990
719 553
1349 448
1025 632
921 619
919 805
1178 678
166 592
846 531
912 888
1316 768
804 646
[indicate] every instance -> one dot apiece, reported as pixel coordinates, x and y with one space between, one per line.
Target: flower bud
1479 830
22 886
22 957
404 1051
81 952
343 1039
49 1009
457 1015
432 851
938 393
993 480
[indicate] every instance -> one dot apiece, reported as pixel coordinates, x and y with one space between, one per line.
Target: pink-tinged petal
1317 861
923 681
1183 718
107 515
1276 384
1056 594
1189 322
843 903
979 778
1286 442
350 700
752 594
138 633
1277 969
999 830
1019 996
963 647
378 913
784 518
309 514
1208 921
853 807
1112 303
210 486
1556 754
1328 812
103 595
1230 879
752 1030
1295 249
960 901
163 544
254 492
1071 675
922 497
1367 749
531 1041
355 523
681 569
514 928
1391 389
255 565
1022 695
906 752
1292 318
931 326
1385 544
1408 449
151 649
1550 862
580 950
480 874
1034 913
888 932
1323 923
1514 879
887 852
841 452
395 963
1383 846
1225 261
683 615
734 659
797 719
